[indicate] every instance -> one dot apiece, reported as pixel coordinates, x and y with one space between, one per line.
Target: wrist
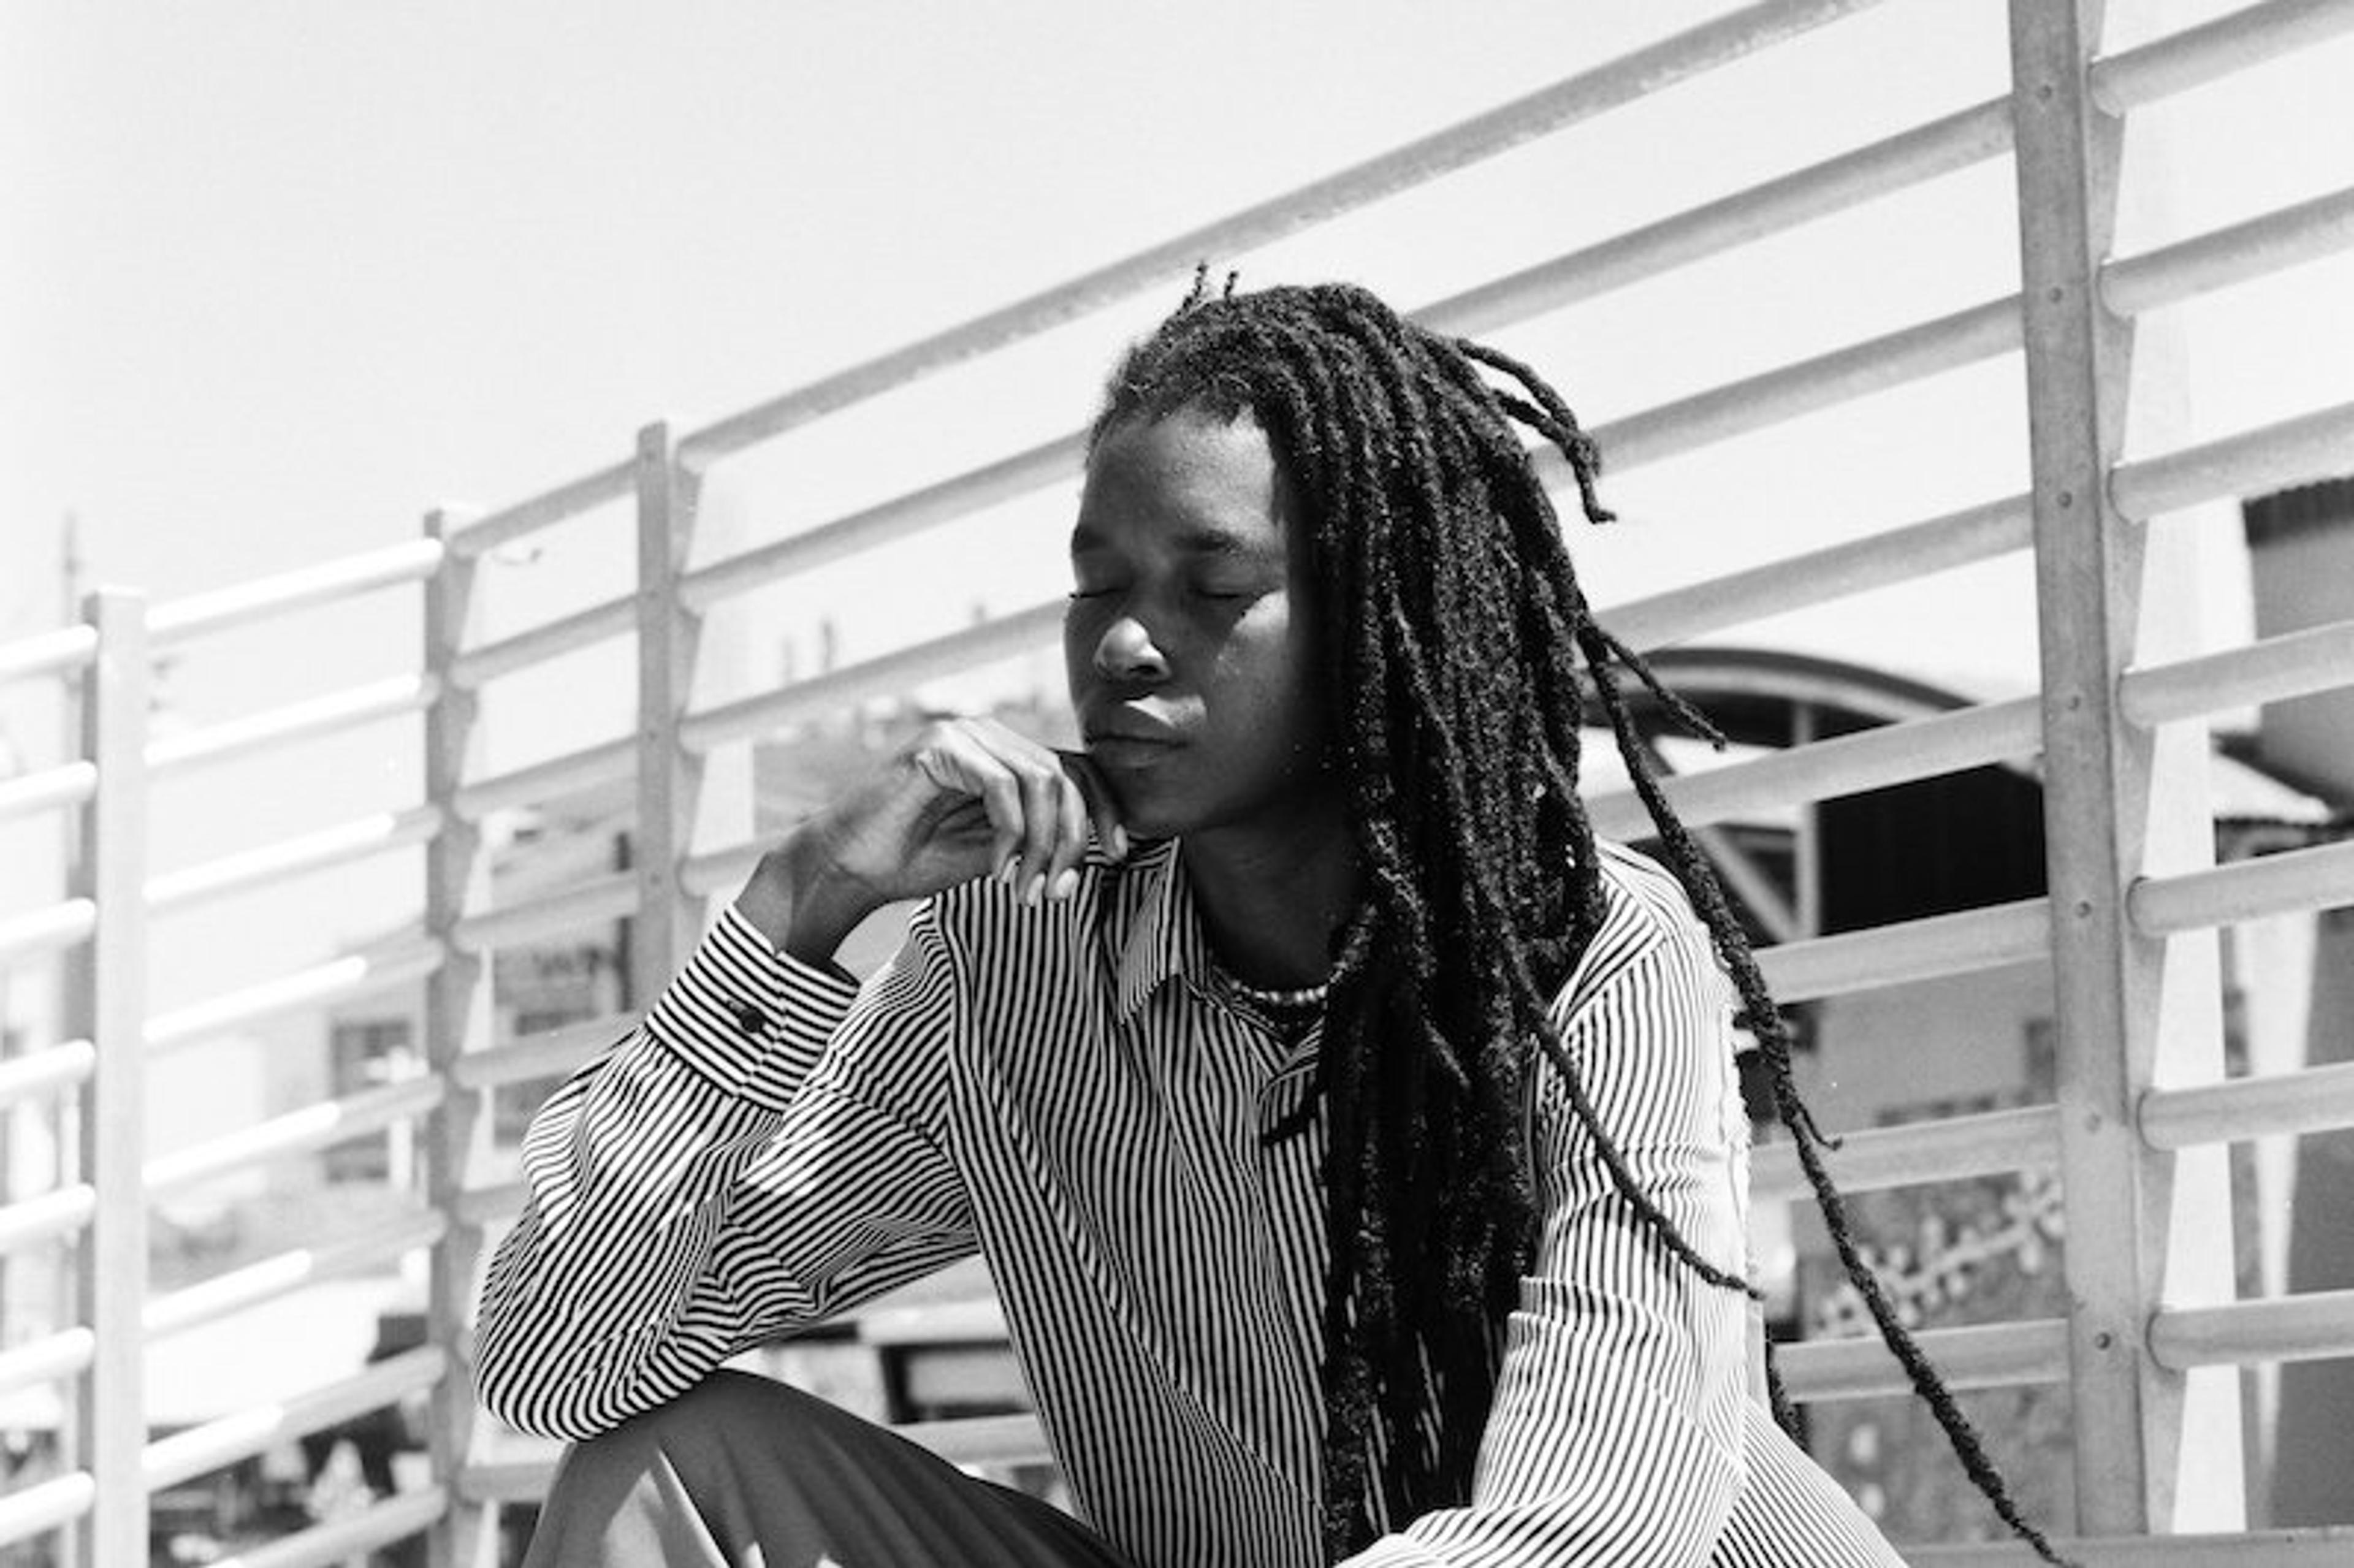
801 902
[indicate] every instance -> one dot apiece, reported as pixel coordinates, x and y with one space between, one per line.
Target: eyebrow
1215 542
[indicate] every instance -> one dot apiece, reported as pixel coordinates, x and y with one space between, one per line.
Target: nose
1126 651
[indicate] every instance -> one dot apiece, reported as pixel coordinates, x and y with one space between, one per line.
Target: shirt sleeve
762 1153
1616 1434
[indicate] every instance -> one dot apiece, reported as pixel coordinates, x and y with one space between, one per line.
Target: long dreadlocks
1462 650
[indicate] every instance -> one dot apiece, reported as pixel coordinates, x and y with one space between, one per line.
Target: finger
1070 836
1042 803
963 764
1101 808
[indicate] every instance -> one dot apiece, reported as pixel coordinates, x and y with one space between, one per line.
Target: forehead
1186 477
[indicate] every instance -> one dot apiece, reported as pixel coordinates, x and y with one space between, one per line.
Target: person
1353 1139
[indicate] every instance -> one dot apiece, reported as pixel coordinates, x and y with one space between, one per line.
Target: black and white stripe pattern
1067 1091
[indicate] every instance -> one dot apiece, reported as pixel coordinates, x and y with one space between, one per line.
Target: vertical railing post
668 778
106 1000
457 1015
2118 805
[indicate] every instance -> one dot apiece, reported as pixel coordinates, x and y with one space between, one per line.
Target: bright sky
281 274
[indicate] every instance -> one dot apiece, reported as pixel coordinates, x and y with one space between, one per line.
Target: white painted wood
106 990
457 1010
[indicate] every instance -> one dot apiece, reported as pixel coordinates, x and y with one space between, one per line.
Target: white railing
2111 1125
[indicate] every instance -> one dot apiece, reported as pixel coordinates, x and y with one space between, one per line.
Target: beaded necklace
1286 1013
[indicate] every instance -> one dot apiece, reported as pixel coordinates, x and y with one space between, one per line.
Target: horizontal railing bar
46 1071
479 1207
2294 665
1549 109
477 667
1804 386
46 929
1819 576
1845 765
2213 50
2310 1099
1961 943
2328 1546
525 517
1990 1143
351 1539
544 781
284 1273
971 1321
2294 451
46 1359
338 845
2321 877
2291 451
1000 638
603 897
338 980
46 652
69 784
180 619
68 1351
2317 1325
45 1506
505 1481
297 1132
306 720
2271 242
1908 158
183 1455
30 1221
1990 1355
1914 353
544 1056
1007 479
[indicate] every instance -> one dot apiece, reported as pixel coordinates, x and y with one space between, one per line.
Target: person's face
1189 641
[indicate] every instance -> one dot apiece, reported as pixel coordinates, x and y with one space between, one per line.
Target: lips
1129 739
1130 748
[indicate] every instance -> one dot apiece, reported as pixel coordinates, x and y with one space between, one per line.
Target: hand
965 797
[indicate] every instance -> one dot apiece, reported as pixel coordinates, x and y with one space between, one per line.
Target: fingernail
1119 842
1033 892
1065 884
1006 872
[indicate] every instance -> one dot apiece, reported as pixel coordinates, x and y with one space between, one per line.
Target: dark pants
744 1472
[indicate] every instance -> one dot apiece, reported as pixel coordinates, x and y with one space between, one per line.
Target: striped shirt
1067 1091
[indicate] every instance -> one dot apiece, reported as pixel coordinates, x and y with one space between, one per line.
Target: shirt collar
1164 940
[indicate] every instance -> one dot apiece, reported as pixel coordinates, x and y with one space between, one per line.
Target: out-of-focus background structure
1975 383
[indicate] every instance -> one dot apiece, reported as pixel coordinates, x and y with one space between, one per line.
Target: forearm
600 1301
1614 1439
604 1298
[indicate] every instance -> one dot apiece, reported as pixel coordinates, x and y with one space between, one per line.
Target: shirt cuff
747 1018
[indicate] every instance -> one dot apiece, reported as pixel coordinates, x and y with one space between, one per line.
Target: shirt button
750 1019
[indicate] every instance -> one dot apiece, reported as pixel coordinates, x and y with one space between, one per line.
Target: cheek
1079 640
1286 671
